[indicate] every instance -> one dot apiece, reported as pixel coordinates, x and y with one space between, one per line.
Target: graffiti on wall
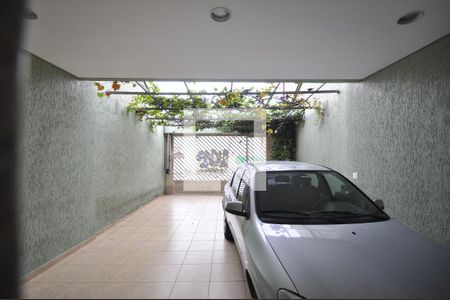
214 160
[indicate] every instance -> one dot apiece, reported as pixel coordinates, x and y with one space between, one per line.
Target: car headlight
286 294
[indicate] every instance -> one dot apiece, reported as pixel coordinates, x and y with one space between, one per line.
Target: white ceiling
263 40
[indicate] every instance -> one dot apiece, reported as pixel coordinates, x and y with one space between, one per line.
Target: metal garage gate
203 163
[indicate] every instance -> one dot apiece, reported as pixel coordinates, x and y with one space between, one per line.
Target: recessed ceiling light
29 14
410 17
220 14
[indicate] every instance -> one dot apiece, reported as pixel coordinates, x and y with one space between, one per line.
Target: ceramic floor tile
158 257
155 273
177 246
159 236
116 291
223 245
67 260
83 258
226 257
138 236
112 236
189 290
207 223
134 223
153 246
115 257
100 245
93 274
123 229
162 250
204 236
189 222
219 236
187 228
145 229
152 290
227 290
226 272
198 257
165 229
81 291
201 246
128 273
41 290
199 272
182 236
59 274
129 245
210 216
206 229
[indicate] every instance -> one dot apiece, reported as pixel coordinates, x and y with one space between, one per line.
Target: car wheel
227 231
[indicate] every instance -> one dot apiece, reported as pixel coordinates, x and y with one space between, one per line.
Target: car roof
273 165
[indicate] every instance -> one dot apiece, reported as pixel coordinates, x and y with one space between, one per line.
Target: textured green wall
393 128
84 163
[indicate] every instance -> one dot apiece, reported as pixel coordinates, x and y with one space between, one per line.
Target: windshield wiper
296 212
347 214
283 211
377 216
328 212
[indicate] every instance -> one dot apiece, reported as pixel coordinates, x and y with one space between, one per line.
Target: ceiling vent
410 17
29 14
220 14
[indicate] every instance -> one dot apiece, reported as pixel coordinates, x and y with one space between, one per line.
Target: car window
343 192
241 185
335 184
244 192
232 178
236 180
313 196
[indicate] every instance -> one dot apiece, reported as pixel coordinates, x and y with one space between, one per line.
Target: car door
242 223
230 195
227 192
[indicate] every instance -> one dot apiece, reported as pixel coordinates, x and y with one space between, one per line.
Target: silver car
305 231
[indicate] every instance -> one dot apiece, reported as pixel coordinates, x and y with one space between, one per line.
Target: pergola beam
297 90
317 91
212 121
272 93
221 93
144 109
146 87
188 90
146 91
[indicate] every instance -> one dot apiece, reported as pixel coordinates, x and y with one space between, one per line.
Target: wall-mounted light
220 14
410 17
29 14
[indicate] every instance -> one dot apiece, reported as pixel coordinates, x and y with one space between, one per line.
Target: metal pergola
146 91
285 111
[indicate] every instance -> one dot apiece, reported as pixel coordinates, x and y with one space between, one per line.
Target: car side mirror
235 208
379 203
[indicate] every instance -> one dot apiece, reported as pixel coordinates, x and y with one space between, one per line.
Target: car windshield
314 197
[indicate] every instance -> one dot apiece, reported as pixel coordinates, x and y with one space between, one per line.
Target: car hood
361 260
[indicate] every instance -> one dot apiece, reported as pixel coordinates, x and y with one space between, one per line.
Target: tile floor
172 247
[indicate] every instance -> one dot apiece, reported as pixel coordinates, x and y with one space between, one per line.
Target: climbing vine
284 140
158 109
